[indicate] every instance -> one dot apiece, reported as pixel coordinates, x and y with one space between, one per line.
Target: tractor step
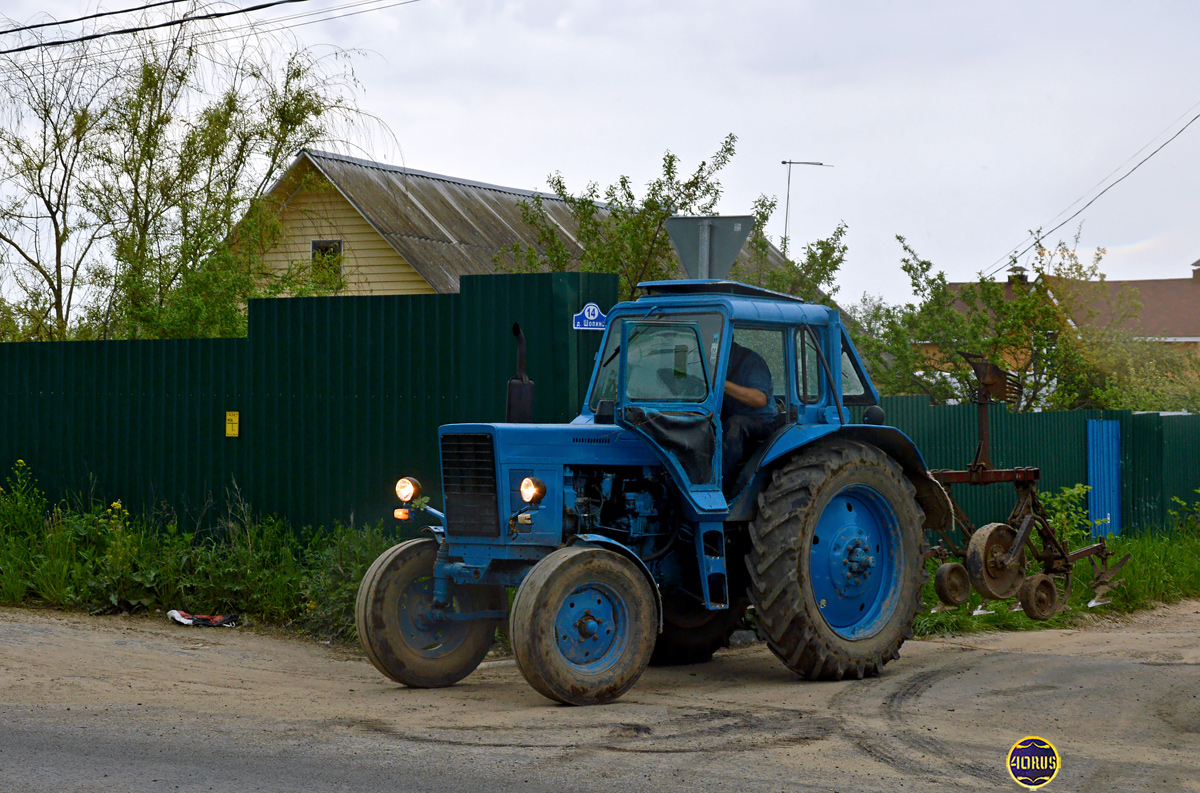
710 551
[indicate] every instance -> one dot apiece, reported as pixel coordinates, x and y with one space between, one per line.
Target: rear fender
939 513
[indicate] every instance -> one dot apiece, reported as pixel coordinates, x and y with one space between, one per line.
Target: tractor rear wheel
394 627
837 563
583 625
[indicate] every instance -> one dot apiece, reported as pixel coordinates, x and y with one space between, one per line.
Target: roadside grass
99 558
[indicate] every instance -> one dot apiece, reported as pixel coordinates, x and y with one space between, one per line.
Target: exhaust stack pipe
518 408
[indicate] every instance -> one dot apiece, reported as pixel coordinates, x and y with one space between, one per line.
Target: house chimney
1196 271
1016 275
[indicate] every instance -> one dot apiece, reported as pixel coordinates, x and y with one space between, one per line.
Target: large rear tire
837 562
583 625
391 615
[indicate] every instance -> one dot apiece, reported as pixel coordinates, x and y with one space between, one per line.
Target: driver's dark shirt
748 369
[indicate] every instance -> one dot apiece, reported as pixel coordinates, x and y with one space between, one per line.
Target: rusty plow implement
1022 557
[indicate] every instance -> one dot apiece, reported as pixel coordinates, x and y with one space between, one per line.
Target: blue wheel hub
432 638
591 627
854 564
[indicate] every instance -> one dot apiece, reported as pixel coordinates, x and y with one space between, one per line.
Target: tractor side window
851 384
768 344
853 390
808 367
664 364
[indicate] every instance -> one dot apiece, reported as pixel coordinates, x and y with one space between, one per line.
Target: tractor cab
674 364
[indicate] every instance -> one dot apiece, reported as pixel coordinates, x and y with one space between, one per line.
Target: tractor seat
760 443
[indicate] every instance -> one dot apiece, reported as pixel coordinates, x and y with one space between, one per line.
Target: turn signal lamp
407 489
400 514
533 490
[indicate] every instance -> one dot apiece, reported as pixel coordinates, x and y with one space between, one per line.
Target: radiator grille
469 476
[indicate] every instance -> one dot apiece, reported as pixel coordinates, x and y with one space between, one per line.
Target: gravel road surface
138 704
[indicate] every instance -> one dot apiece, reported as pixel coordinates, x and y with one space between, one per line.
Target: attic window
326 249
327 263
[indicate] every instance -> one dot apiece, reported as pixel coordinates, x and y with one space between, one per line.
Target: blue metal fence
1104 476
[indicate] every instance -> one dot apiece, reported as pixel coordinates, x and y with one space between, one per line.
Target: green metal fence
336 398
1160 455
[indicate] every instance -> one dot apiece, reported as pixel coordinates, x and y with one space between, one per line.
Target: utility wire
141 28
56 23
999 264
263 27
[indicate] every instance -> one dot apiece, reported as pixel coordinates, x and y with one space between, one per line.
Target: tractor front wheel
837 562
583 625
392 614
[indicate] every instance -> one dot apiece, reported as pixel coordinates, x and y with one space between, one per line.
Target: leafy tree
179 182
134 199
1062 331
813 278
55 103
618 231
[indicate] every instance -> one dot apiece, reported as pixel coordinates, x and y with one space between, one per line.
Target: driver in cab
747 410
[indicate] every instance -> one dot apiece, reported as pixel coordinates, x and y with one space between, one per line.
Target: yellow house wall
369 265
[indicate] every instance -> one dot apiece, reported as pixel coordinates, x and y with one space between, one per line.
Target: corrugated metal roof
445 227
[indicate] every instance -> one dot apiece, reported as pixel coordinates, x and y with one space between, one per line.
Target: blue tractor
643 530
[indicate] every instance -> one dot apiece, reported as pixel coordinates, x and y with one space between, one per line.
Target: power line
263 27
999 264
99 15
1128 160
141 28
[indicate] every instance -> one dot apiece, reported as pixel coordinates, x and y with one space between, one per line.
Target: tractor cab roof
695 287
745 303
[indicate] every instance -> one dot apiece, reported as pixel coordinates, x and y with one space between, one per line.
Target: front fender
933 499
607 542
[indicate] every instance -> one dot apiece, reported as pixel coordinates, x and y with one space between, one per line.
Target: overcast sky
959 125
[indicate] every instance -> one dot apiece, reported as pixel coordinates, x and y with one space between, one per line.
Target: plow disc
988 565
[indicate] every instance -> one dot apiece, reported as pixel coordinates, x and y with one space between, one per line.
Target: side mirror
605 411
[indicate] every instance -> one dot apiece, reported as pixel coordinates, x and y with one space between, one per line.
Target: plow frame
1028 517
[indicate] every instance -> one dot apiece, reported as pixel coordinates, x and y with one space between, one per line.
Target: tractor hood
483 466
561 444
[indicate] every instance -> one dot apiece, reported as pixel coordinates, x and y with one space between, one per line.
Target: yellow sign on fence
231 424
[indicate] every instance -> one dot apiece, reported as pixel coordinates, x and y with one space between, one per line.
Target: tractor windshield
664 360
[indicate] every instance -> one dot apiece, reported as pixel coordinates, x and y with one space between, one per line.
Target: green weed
101 558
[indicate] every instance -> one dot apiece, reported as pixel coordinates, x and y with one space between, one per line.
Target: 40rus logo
1033 762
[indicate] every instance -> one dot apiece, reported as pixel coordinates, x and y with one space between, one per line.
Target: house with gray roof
396 230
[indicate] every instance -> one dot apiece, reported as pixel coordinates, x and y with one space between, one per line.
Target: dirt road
131 704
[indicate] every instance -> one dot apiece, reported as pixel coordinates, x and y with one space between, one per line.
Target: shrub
101 558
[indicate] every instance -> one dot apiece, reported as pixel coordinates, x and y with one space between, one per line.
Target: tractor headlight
407 489
533 490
